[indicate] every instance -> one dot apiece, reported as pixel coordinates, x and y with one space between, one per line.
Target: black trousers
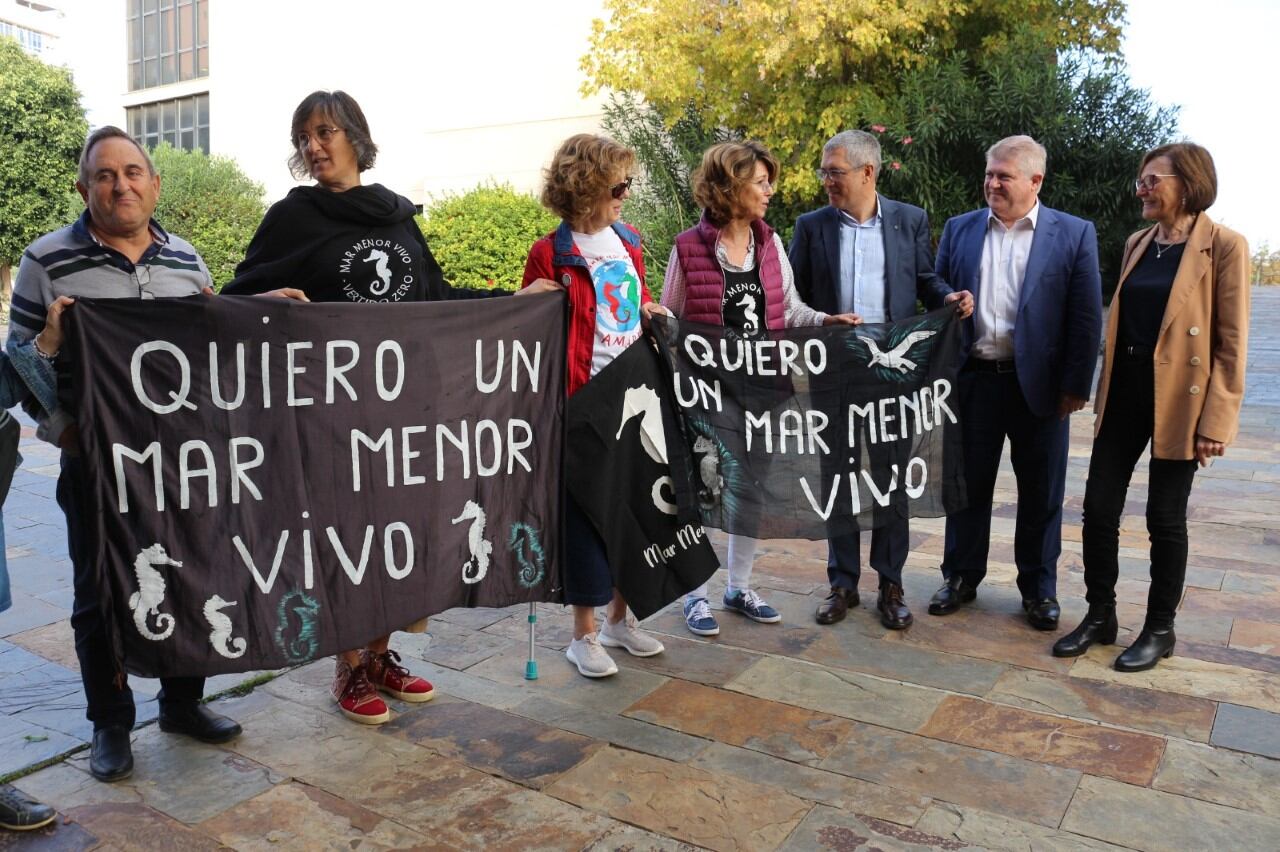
1126 431
108 704
993 408
889 546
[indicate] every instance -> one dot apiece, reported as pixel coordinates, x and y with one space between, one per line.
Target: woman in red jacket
598 260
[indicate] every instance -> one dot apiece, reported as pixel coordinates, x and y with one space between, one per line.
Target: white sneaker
591 659
624 634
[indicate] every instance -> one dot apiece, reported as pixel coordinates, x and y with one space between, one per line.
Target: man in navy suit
1032 345
870 256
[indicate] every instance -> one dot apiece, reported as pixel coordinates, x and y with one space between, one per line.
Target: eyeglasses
830 174
142 277
620 189
324 134
1149 182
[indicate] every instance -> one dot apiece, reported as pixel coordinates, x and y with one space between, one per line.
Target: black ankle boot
1153 644
1099 626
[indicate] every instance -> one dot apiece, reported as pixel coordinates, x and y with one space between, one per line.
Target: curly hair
1194 165
726 169
582 172
344 112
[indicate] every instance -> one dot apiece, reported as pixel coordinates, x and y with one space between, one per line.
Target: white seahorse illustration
653 437
474 569
150 595
383 284
709 465
220 638
748 302
896 358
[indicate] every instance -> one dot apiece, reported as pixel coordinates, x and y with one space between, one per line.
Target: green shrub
210 203
482 237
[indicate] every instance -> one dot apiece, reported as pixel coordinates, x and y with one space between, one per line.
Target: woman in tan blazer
1173 376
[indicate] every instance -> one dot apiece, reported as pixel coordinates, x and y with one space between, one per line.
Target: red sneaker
386 673
357 697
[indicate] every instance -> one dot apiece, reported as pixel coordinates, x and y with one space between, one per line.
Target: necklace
1161 248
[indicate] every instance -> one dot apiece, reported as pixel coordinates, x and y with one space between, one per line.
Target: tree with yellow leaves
794 72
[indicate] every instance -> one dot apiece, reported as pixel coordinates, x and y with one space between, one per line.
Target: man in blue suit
1032 345
870 256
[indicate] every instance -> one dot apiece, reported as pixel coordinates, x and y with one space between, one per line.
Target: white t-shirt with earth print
618 294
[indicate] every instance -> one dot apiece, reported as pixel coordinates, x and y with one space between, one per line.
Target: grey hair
1027 152
108 132
860 148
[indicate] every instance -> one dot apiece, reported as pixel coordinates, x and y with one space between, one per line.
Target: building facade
455 94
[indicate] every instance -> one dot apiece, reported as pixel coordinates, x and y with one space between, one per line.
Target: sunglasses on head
620 189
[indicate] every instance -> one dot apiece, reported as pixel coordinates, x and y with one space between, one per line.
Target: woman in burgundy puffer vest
731 270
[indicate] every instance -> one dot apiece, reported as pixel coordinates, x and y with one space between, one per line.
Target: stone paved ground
960 733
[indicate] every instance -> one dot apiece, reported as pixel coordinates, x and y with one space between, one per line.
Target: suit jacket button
1194 330
1195 389
565 279
1195 360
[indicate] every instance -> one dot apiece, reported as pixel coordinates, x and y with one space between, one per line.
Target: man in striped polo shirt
114 250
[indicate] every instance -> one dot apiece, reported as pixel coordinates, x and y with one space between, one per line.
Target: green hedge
209 202
481 237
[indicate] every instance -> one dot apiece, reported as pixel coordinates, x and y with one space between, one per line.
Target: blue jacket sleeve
1083 317
930 289
801 268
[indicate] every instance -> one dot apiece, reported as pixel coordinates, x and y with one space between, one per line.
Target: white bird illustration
896 358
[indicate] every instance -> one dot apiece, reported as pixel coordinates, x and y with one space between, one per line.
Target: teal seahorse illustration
526 546
301 626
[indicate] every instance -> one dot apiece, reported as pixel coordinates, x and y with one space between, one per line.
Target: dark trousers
994 408
108 704
1126 431
889 546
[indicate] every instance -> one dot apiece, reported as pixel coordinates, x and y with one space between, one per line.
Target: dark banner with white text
274 481
816 432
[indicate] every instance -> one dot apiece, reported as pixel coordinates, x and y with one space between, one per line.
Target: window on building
168 41
32 42
182 122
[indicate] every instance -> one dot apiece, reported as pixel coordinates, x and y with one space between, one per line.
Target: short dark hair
108 132
343 109
1194 165
725 170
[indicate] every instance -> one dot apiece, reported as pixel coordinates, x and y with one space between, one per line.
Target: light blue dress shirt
862 266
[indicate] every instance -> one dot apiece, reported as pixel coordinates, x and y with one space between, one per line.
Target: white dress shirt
1004 265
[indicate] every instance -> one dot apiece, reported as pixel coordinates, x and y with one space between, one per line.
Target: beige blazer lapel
1197 262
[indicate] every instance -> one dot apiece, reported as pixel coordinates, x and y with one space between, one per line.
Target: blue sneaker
752 606
698 618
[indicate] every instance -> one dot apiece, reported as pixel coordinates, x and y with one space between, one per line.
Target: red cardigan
557 258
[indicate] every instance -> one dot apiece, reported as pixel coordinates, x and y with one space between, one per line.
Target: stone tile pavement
960 733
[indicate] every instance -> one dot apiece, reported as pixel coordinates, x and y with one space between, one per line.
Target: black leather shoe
18 813
954 594
111 756
836 605
894 613
196 720
1042 614
1152 645
1099 626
